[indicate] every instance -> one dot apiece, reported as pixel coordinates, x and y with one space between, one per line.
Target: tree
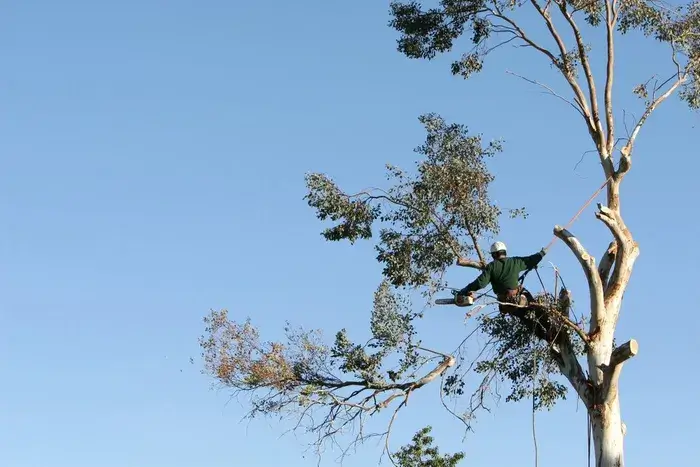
441 213
422 453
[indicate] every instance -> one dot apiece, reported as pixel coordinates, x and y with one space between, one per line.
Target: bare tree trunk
608 434
607 285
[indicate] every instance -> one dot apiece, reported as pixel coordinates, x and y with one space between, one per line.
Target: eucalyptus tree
440 213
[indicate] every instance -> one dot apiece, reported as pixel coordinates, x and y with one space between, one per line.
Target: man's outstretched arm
533 260
478 283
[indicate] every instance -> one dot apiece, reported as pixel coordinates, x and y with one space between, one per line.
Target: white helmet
498 246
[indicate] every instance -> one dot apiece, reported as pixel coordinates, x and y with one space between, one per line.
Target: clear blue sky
153 156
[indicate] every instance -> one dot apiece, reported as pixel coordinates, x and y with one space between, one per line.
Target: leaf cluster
421 453
425 219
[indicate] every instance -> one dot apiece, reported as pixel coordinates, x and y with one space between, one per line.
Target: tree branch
565 320
434 218
610 21
614 222
625 244
570 78
580 98
482 259
469 263
606 263
593 96
550 91
612 371
595 285
623 353
570 367
626 150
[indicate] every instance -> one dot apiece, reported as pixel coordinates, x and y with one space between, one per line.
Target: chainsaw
457 299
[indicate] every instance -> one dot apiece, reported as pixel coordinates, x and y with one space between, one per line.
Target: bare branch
570 78
625 254
474 238
593 96
612 371
610 21
549 91
580 98
469 263
447 362
570 367
595 285
614 222
626 150
607 262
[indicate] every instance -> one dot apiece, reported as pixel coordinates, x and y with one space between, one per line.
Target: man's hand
465 293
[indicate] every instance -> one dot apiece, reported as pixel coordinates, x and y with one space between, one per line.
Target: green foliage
392 334
520 358
422 453
517 356
331 203
424 217
678 26
427 32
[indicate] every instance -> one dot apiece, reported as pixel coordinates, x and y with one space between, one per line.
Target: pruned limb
595 285
623 353
606 263
612 371
447 362
469 263
475 241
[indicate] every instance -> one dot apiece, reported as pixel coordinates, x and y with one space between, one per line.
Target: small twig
549 90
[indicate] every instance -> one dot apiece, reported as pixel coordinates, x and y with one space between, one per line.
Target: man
503 274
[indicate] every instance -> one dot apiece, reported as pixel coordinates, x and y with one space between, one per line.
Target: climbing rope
580 211
588 430
534 383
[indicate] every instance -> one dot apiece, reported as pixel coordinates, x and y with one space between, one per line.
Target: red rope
580 211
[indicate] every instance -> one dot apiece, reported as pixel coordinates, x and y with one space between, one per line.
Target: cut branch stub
613 221
623 353
470 263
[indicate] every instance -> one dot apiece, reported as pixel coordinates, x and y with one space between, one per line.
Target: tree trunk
608 434
607 286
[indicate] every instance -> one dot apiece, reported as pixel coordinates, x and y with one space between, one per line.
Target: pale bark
600 393
607 263
595 285
470 263
607 428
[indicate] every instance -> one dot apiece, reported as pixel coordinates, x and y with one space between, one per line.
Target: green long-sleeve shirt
503 273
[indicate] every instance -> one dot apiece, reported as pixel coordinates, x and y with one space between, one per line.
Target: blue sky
153 156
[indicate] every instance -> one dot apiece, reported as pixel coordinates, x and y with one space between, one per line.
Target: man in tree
502 273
